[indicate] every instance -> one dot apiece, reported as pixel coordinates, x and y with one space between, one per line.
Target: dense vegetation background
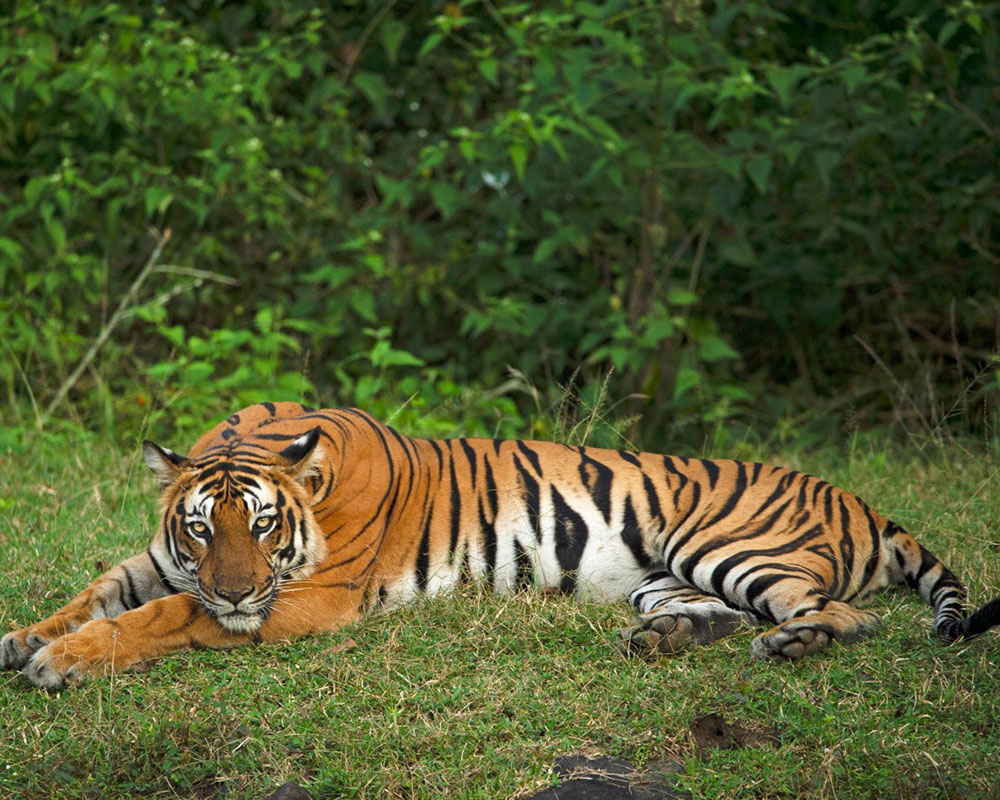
492 217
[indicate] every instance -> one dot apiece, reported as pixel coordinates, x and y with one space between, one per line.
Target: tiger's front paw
73 657
18 646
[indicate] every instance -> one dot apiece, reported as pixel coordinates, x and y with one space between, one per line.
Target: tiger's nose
234 596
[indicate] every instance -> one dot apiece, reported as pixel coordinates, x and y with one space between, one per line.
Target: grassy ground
474 696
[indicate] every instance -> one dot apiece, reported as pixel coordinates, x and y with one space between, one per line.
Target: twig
174 269
120 313
345 73
895 380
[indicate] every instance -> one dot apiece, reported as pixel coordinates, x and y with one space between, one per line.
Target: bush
739 212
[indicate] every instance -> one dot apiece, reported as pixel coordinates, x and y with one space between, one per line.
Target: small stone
290 791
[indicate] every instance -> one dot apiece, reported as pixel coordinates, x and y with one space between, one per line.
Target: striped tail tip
977 622
982 620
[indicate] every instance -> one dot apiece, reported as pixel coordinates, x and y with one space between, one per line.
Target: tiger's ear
304 456
165 464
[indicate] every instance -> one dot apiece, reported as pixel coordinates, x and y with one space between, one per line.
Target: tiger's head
236 524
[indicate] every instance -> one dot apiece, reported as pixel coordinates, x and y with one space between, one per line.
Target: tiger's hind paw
663 635
779 644
803 636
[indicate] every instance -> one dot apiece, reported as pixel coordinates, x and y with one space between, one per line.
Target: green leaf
826 160
681 297
446 197
659 329
264 320
363 302
759 170
429 44
784 79
373 87
687 378
391 33
712 348
488 69
401 358
519 155
34 188
853 75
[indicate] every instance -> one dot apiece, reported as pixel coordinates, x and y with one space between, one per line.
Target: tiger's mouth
244 617
240 621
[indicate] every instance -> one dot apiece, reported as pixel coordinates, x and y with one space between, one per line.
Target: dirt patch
290 791
712 732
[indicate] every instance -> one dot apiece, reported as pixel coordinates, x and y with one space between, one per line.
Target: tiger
285 521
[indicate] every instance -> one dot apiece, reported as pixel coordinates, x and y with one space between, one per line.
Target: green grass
474 696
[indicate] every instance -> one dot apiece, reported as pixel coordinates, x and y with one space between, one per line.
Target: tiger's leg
126 586
180 622
808 620
674 616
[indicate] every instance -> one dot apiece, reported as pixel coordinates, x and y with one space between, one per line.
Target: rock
603 778
290 791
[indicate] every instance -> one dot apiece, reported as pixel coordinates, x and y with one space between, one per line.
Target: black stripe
424 553
652 499
489 543
133 598
875 556
161 574
470 454
456 509
525 573
630 458
491 490
270 408
531 455
571 540
597 478
531 498
927 562
721 571
734 496
632 535
712 470
843 576
437 451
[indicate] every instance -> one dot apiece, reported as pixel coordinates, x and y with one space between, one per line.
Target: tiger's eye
262 524
198 529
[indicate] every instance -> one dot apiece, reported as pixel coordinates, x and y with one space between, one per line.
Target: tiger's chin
240 622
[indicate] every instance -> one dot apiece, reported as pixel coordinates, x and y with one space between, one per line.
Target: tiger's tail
921 570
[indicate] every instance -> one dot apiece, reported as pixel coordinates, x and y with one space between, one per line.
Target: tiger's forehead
251 495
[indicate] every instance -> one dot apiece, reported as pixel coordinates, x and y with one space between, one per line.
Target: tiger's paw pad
663 635
17 647
789 642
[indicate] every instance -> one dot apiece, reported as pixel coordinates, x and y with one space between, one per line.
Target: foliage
742 212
